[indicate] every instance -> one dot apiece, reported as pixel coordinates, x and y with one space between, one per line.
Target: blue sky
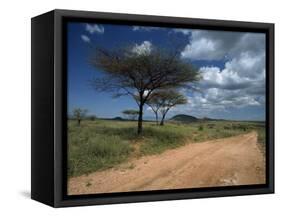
232 66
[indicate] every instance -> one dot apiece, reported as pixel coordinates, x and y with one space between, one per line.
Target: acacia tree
131 114
155 103
168 100
79 114
139 74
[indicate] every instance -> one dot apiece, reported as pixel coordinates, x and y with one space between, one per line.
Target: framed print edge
59 197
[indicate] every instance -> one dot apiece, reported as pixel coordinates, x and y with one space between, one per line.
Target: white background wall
15 106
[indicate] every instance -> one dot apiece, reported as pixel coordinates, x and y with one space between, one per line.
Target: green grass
261 139
90 150
101 144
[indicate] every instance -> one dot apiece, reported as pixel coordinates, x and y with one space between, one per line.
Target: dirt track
230 161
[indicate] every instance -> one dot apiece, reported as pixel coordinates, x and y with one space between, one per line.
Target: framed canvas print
131 108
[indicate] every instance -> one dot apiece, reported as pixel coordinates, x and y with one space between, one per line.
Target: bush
227 127
201 128
211 126
93 118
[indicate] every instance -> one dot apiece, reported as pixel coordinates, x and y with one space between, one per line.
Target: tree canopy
164 100
137 74
131 113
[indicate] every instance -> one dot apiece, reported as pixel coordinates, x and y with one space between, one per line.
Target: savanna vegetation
99 144
154 79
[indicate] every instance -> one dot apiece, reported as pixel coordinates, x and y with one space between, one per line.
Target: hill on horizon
184 118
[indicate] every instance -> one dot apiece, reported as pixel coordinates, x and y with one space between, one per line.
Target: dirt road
230 161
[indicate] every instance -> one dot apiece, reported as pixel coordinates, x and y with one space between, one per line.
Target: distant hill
118 119
184 118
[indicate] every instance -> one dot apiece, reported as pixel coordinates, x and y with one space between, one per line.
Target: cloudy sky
232 65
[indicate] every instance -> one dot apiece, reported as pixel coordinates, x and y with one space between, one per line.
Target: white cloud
94 28
144 28
249 65
143 48
218 45
214 101
241 72
183 31
85 38
253 43
224 79
229 98
202 48
241 82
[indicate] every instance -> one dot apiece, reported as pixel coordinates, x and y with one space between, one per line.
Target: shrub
211 126
201 128
93 117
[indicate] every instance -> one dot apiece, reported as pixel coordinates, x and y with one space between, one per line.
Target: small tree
168 100
131 114
155 103
79 114
93 117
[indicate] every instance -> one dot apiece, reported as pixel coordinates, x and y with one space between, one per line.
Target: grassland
101 144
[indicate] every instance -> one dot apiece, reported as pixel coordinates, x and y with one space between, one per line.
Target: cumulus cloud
213 77
217 45
248 65
238 84
214 101
94 28
143 48
247 69
227 98
85 38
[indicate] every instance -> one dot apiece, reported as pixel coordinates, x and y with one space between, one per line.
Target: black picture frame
49 106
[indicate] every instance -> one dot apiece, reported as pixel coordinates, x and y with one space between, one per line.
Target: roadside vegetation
100 144
261 139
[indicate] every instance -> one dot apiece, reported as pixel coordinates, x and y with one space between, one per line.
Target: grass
261 139
90 150
101 144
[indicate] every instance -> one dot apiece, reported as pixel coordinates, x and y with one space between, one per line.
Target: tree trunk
156 118
78 121
140 119
163 118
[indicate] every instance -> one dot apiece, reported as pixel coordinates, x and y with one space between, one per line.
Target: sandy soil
230 161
